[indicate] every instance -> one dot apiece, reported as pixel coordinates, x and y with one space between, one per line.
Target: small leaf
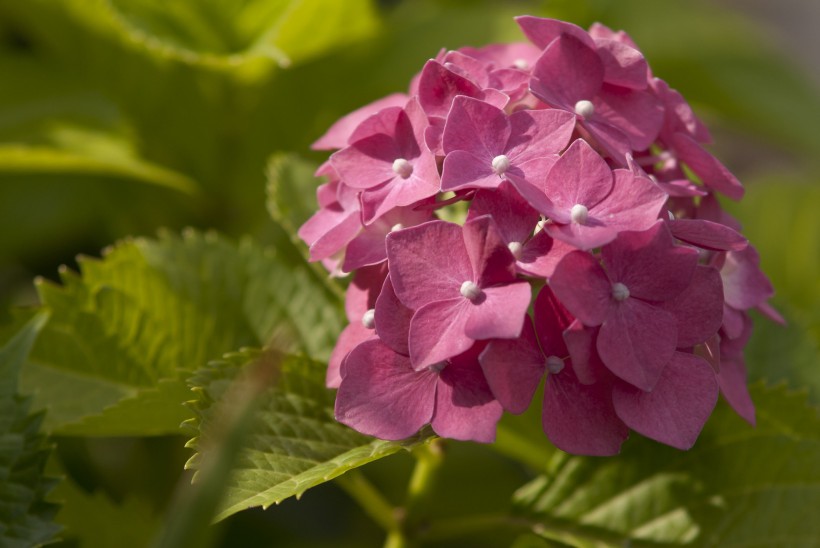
26 519
738 486
294 443
127 331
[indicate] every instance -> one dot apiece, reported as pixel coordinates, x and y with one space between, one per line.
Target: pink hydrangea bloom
562 165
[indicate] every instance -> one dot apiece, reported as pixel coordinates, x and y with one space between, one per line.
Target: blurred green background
118 117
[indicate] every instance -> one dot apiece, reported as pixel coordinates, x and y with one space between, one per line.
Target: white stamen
470 290
579 214
584 108
369 319
620 292
500 164
666 156
521 64
396 227
516 249
437 367
402 168
653 178
540 225
671 215
555 364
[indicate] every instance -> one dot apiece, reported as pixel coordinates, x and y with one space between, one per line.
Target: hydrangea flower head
559 167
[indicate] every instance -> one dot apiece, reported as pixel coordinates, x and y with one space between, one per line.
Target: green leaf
127 331
93 520
739 485
26 519
294 442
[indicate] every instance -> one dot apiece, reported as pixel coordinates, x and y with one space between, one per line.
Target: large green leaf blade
131 327
294 443
738 486
26 519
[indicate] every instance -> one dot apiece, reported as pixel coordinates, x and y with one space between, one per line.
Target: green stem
370 499
429 458
460 526
521 448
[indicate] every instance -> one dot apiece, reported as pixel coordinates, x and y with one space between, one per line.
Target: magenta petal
423 183
732 380
513 216
713 174
638 114
367 163
363 291
437 331
699 308
392 319
610 139
580 176
513 369
624 65
529 177
338 134
551 319
744 284
491 259
636 342
345 227
676 410
465 406
583 287
648 262
465 170
580 419
541 31
420 272
382 396
476 127
567 72
350 337
499 313
438 86
707 234
542 254
537 133
585 361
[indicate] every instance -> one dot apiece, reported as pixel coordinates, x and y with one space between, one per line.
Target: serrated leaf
294 442
739 486
26 519
129 328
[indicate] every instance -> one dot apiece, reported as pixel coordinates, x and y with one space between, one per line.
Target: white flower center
555 364
470 290
396 227
521 64
500 164
584 108
620 292
516 249
579 214
369 319
437 367
402 168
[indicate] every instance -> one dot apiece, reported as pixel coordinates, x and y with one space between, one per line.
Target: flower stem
429 458
370 499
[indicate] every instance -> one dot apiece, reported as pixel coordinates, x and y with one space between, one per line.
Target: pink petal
338 134
583 287
649 263
465 170
610 139
699 308
538 133
343 227
586 363
438 86
732 380
513 216
744 284
476 127
382 396
392 319
676 410
437 331
636 342
529 177
712 173
567 72
707 234
580 419
638 114
420 272
541 31
541 255
499 313
465 406
513 369
551 319
580 176
368 247
491 260
623 65
422 184
350 337
363 291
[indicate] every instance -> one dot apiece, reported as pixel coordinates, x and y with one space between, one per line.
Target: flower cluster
531 209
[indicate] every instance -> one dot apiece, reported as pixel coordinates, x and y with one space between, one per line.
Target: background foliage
122 117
